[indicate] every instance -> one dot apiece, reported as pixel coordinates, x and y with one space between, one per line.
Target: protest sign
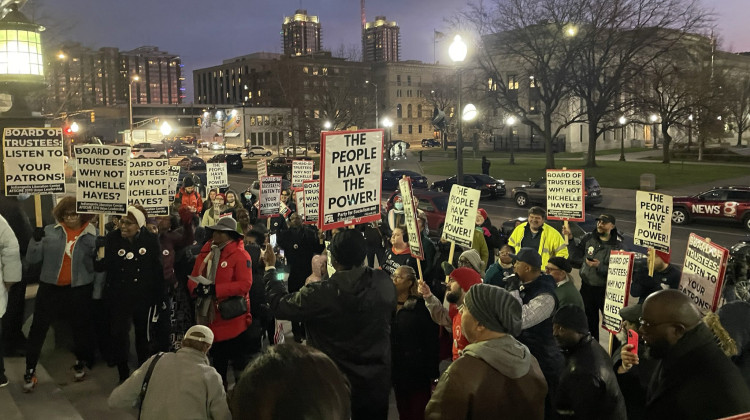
410 218
619 274
148 185
102 179
216 175
703 272
653 220
174 180
565 195
262 166
351 168
311 194
302 170
461 215
299 196
34 161
269 197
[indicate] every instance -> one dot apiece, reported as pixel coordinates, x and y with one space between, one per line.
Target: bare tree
738 105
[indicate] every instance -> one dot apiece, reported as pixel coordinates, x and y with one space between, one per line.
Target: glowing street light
165 129
622 120
469 113
510 122
457 52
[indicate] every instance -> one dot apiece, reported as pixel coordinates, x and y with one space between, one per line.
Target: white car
300 150
147 153
258 151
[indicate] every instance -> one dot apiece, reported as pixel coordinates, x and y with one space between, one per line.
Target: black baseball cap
528 255
606 218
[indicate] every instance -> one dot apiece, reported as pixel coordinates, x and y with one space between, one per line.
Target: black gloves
203 290
100 241
38 234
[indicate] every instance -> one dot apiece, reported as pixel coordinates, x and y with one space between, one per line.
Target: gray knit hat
474 259
495 308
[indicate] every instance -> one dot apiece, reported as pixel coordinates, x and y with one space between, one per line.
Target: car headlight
501 182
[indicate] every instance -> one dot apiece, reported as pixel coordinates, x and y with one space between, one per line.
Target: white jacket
183 386
10 262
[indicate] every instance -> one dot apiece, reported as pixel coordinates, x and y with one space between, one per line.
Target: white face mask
248 196
399 205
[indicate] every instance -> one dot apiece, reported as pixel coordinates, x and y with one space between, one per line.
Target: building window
408 111
419 113
420 128
408 80
408 93
398 93
410 129
399 113
398 80
491 84
400 131
512 82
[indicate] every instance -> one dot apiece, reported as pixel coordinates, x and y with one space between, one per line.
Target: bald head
671 305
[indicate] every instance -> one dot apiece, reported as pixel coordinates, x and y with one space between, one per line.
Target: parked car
182 150
193 165
216 146
316 147
299 150
147 153
433 203
488 186
730 203
234 161
258 151
391 178
283 166
536 193
430 143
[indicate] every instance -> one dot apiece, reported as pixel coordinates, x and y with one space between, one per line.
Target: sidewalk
613 198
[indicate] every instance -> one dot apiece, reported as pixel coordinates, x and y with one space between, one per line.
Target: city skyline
204 36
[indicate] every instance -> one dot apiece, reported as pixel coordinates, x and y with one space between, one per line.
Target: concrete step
8 406
46 402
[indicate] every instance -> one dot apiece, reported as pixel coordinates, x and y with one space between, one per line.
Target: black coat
414 344
696 381
134 269
588 387
299 245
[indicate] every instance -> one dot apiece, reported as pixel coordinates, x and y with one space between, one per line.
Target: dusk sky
203 33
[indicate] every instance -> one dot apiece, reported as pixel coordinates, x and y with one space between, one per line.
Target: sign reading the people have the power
461 215
617 292
653 220
269 197
34 161
102 179
149 185
410 218
565 195
311 192
302 170
703 272
351 168
216 175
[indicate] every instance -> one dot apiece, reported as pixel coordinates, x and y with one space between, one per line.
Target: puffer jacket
588 387
234 277
50 251
591 246
10 262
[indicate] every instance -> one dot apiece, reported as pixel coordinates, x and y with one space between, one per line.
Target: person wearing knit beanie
465 277
470 258
494 308
572 318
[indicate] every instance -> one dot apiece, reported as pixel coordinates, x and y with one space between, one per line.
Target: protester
735 318
559 269
248 202
188 197
348 318
414 347
182 385
216 211
209 201
10 274
496 376
319 267
292 382
502 268
398 254
536 234
588 388
666 276
693 379
485 165
135 288
66 251
286 200
227 272
459 282
395 215
429 251
469 258
374 241
632 378
536 293
491 235
595 247
232 202
300 243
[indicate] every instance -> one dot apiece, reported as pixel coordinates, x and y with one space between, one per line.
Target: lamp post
457 52
690 131
511 121
622 120
653 118
135 78
376 101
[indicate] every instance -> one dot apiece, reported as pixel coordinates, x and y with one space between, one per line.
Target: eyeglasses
71 215
645 324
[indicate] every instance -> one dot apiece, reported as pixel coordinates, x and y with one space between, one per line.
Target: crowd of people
204 288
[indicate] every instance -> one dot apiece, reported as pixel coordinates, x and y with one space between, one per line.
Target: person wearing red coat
226 265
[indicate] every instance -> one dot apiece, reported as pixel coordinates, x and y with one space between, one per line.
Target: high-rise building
381 41
159 73
301 34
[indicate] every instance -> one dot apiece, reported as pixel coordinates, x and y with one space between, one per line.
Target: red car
725 203
433 203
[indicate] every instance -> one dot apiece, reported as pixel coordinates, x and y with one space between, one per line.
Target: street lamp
653 118
221 117
387 123
457 52
622 120
134 78
469 113
376 101
511 121
690 131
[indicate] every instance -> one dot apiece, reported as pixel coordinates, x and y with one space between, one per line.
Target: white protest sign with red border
351 168
302 170
269 196
617 291
703 272
565 194
461 215
410 218
653 220
312 195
